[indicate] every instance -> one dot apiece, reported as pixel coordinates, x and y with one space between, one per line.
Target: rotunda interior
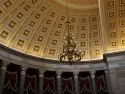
32 31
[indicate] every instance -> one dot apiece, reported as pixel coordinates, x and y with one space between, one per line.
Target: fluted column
2 74
41 81
22 80
59 82
108 82
76 83
93 82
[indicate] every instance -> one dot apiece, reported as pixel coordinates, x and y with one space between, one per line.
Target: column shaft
93 83
108 82
41 82
2 75
22 80
59 83
76 83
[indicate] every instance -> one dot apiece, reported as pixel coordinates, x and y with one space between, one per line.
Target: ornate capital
4 64
41 73
76 75
92 74
106 71
58 74
23 69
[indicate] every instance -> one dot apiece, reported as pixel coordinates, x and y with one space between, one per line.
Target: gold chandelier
69 52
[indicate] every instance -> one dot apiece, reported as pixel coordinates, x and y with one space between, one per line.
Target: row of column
41 80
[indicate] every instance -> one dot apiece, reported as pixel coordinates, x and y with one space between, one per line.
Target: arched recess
101 82
67 83
11 82
49 86
85 84
31 82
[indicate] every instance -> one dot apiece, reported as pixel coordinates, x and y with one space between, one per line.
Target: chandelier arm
63 56
78 56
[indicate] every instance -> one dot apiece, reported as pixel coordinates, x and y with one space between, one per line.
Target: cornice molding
49 61
115 54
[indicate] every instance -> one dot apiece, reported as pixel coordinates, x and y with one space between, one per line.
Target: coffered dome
37 27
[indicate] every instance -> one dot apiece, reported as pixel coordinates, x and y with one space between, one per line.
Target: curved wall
50 82
19 58
114 64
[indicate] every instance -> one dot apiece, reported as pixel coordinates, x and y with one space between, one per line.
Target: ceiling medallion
69 52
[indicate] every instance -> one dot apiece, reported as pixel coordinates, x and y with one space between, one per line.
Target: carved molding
49 61
114 54
41 72
23 69
4 64
92 74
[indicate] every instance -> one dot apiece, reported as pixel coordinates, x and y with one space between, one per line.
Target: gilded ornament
52 51
83 28
112 24
60 25
71 27
37 16
8 4
122 22
123 32
34 1
83 20
122 2
111 14
123 42
20 42
20 15
4 34
96 43
27 8
12 24
82 44
36 48
94 26
40 38
97 52
111 3
57 33
122 12
114 44
62 18
113 34
32 23
82 35
96 34
44 29
43 9
54 42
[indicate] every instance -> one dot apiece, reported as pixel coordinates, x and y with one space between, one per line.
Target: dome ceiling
82 2
37 27
79 4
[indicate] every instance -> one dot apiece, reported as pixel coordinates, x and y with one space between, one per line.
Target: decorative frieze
26 56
